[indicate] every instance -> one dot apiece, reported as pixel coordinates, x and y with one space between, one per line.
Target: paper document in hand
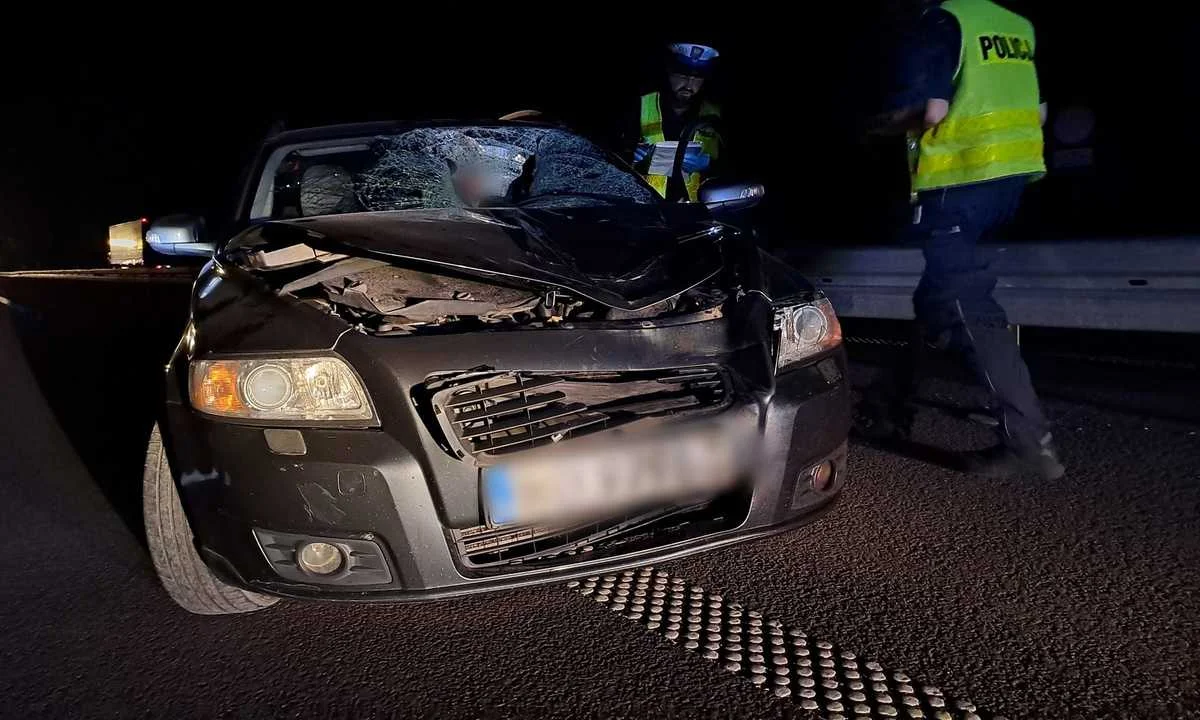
663 158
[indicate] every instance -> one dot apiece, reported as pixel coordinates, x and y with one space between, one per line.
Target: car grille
505 413
487 545
487 549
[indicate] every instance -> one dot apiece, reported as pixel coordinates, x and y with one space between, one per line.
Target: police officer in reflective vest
975 140
681 113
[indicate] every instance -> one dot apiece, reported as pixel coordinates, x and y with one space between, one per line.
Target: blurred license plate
599 483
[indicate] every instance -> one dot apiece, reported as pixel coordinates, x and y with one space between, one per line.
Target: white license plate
563 487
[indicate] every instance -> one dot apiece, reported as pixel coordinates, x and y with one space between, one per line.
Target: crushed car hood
625 257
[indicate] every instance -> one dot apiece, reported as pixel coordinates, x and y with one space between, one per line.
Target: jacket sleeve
929 62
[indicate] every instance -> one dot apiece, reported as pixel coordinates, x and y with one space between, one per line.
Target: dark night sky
108 131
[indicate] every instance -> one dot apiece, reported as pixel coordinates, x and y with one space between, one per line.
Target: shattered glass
451 167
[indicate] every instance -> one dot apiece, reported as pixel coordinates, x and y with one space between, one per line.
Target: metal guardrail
185 274
1150 284
1134 284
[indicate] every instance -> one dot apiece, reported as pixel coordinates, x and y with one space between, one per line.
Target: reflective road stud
814 674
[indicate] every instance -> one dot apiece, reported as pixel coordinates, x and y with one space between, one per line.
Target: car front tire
183 574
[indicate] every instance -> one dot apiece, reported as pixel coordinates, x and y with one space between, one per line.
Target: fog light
822 476
319 558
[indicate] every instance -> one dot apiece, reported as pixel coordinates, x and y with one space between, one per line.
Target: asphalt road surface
924 589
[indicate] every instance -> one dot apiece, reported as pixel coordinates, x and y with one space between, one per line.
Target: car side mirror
179 235
738 196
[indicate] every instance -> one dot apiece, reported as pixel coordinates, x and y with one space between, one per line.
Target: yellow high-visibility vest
993 129
652 132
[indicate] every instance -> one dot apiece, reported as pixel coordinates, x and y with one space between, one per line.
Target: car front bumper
397 488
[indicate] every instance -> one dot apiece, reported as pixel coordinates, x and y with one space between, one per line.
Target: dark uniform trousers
956 310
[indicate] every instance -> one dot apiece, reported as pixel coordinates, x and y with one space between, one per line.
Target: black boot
882 421
1003 461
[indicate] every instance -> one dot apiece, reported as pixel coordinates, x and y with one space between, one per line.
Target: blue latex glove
641 152
695 161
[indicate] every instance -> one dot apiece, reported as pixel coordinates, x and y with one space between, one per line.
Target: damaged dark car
445 359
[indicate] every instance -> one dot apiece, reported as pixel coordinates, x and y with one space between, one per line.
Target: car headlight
805 330
294 388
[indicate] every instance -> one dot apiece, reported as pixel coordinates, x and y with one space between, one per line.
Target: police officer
680 112
975 141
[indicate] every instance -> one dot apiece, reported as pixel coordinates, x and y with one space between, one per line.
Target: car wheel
186 578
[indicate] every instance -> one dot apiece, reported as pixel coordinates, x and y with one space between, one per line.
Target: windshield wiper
613 199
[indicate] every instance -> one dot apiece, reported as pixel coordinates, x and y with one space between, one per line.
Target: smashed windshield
443 167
